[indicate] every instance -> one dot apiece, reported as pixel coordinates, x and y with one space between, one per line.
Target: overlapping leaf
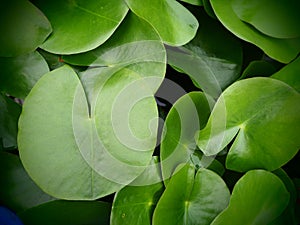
19 74
212 59
100 131
283 50
191 199
79 26
174 23
257 198
23 28
256 112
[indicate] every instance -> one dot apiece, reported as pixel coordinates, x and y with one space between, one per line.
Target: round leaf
19 74
23 28
290 74
191 199
135 204
212 59
277 18
187 115
68 212
283 50
256 112
79 26
174 23
18 192
253 201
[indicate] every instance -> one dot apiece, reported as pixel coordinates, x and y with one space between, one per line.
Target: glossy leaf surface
290 74
134 204
19 74
9 115
23 28
174 23
202 197
212 59
277 18
189 114
255 112
253 201
18 191
79 26
283 50
193 2
68 212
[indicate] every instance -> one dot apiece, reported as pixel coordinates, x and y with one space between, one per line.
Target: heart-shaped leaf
19 74
290 74
174 23
23 28
278 18
283 50
79 26
135 204
9 115
257 198
255 111
187 115
191 199
68 212
18 192
212 59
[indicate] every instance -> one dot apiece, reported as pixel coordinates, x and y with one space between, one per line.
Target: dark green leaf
19 74
18 192
258 68
23 28
68 212
257 198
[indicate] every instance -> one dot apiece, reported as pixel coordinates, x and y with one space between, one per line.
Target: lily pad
174 23
290 74
191 198
19 74
61 212
134 204
189 114
277 18
79 26
23 28
18 191
254 112
212 59
283 50
253 201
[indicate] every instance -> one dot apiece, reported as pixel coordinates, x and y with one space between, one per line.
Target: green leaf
258 68
174 23
68 212
79 26
18 192
257 198
19 74
212 59
277 18
23 28
189 114
9 115
191 199
134 204
283 50
193 2
134 41
290 74
255 112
